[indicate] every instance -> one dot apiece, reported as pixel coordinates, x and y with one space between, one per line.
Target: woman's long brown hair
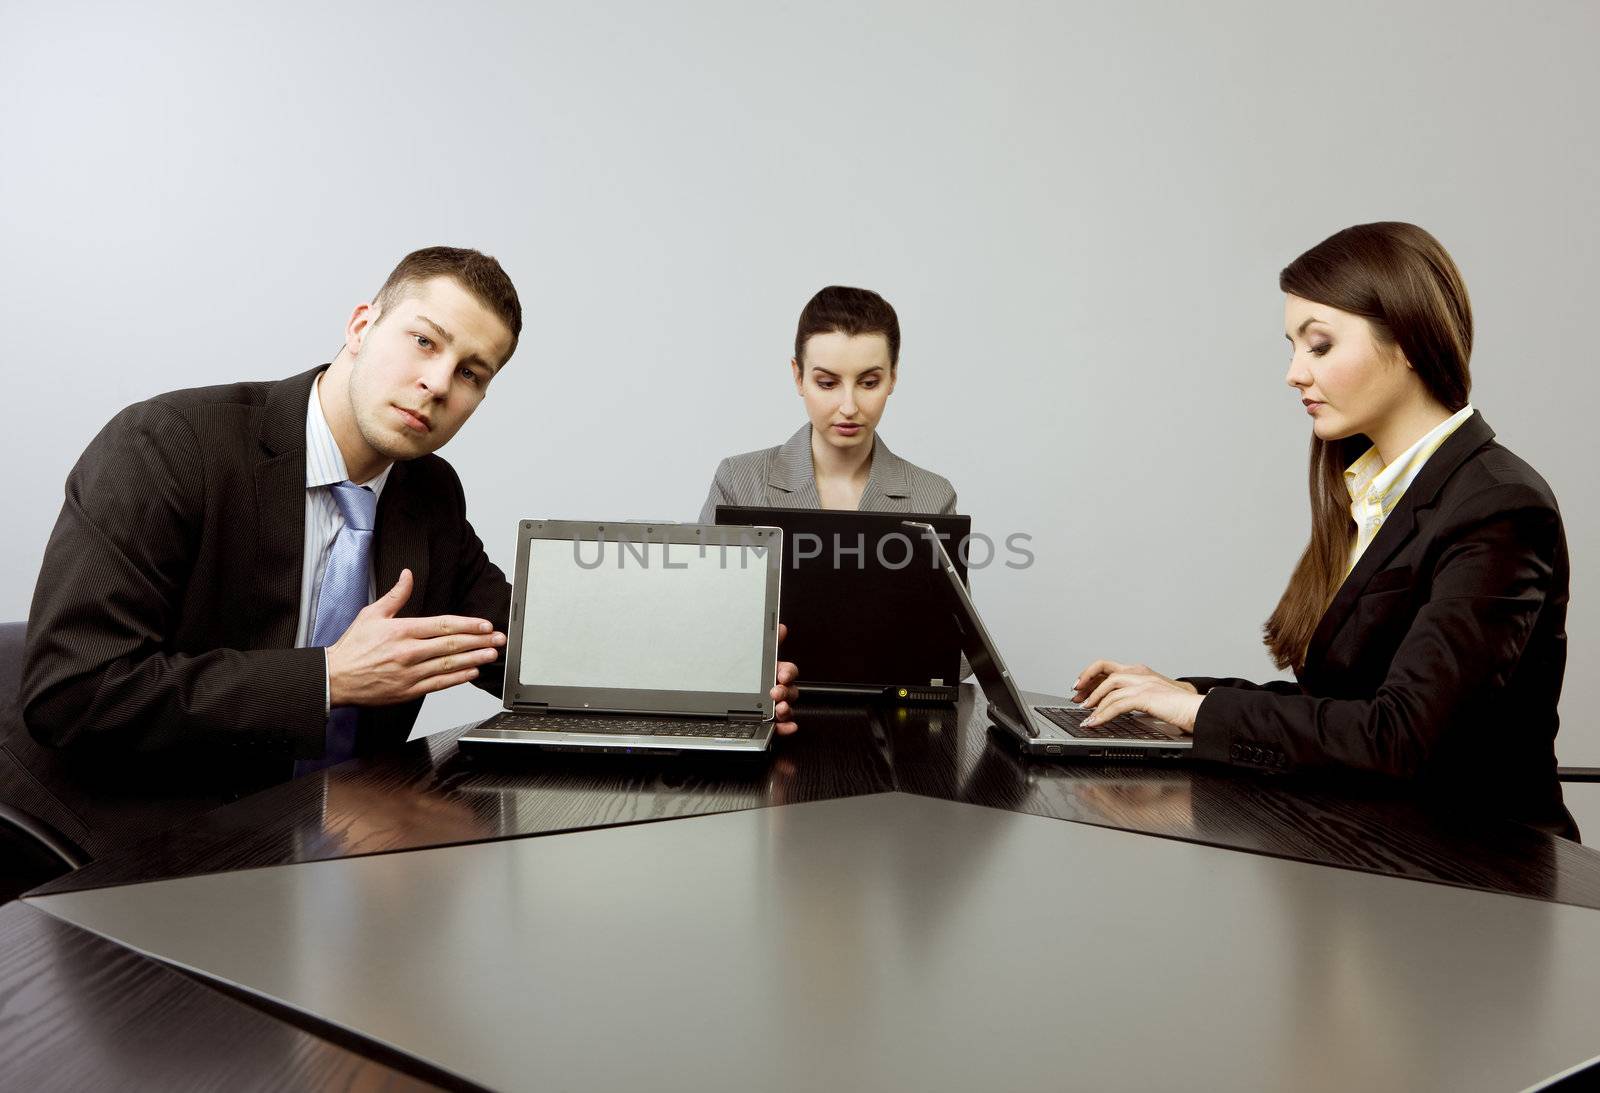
1398 278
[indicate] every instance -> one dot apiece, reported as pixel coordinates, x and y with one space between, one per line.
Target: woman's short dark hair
853 311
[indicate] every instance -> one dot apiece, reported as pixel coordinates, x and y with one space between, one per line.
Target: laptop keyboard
630 726
1121 727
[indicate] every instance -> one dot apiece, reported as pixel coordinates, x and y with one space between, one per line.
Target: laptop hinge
744 715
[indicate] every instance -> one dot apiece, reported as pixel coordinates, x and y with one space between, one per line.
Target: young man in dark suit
248 581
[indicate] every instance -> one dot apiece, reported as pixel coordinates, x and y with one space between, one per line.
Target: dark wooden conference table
80 1011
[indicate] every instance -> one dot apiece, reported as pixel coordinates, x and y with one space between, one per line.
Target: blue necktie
342 596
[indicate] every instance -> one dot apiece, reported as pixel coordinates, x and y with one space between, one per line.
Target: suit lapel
1400 526
791 480
888 486
280 485
402 539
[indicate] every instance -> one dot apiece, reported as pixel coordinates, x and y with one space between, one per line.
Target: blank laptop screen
650 616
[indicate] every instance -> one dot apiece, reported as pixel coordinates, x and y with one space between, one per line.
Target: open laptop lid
856 600
1006 704
644 618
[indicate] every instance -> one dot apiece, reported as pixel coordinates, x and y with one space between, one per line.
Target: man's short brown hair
852 311
473 270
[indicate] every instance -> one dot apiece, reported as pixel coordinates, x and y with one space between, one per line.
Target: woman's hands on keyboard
1110 688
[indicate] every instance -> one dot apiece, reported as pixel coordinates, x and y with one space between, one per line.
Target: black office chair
32 851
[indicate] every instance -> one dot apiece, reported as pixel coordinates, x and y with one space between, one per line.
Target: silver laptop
640 638
1054 730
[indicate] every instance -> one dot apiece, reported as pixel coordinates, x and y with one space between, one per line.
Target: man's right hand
382 660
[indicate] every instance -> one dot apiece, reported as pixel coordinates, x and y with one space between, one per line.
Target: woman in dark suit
846 352
1426 620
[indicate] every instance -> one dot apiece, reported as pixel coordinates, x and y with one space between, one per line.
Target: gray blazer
782 478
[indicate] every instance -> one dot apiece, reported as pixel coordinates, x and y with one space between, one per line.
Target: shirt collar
1368 479
324 462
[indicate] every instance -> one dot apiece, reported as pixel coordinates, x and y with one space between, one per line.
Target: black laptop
865 618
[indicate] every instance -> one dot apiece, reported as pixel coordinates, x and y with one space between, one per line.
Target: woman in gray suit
846 350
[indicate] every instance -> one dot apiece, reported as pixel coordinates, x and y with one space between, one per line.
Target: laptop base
1064 749
497 754
1099 753
488 736
909 695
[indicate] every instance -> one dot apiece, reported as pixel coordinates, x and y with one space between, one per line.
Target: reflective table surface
431 794
889 941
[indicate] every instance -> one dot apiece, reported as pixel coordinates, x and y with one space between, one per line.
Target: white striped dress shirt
324 467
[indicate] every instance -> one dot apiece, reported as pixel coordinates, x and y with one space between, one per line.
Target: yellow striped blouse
1376 489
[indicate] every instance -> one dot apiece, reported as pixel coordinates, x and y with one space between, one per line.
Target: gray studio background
1078 210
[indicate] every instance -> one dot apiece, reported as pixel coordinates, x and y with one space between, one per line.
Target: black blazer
1441 657
160 664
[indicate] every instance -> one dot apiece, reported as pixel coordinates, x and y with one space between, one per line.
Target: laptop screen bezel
523 693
